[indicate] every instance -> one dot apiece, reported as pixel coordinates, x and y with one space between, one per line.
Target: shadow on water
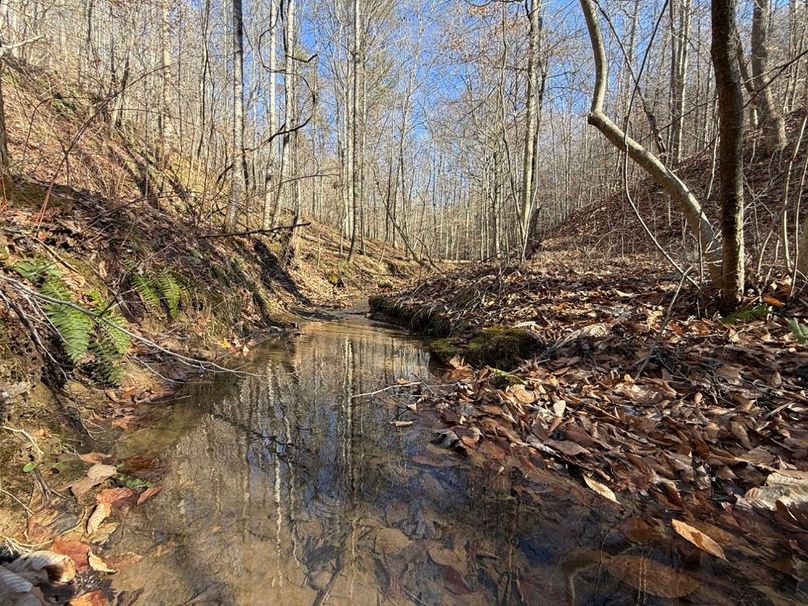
286 488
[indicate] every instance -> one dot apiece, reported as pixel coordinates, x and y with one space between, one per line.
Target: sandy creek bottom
285 488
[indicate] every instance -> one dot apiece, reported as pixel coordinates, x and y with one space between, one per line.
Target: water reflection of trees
288 489
283 466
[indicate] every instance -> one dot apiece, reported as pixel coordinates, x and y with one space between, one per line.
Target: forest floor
618 376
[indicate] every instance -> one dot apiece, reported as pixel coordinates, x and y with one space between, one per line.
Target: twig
249 232
23 505
664 324
389 387
27 435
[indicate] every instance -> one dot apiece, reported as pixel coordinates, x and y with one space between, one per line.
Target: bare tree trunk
669 181
272 113
165 77
770 118
289 106
680 35
5 161
529 155
730 152
356 146
239 169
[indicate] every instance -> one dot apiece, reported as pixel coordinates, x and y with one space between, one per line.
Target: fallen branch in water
254 231
388 388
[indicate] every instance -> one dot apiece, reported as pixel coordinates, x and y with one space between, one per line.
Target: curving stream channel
287 487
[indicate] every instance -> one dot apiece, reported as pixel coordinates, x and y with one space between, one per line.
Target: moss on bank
499 347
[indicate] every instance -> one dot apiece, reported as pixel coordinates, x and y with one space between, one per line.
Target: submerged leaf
699 539
601 489
99 565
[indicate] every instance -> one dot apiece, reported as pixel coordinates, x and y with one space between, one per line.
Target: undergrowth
92 333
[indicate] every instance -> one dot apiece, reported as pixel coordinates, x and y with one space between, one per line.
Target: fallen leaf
95 457
100 513
148 494
97 474
59 567
391 540
402 423
99 565
75 550
522 394
571 449
121 561
116 498
93 598
698 538
601 489
104 532
126 423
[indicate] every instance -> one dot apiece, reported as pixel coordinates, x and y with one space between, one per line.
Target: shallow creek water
285 488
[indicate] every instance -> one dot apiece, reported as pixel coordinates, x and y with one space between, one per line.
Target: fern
109 351
799 330
32 270
162 290
148 295
110 342
79 331
171 292
73 325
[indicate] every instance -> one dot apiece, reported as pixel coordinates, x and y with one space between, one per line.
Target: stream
287 487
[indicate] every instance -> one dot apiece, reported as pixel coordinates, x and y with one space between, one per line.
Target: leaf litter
678 414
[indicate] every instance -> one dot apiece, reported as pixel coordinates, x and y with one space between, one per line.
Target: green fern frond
108 356
162 290
799 330
74 326
32 270
170 291
110 342
147 293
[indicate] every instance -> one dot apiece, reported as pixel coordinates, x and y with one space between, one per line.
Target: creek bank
178 304
661 412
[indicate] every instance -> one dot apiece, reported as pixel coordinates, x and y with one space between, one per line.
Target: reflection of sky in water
285 489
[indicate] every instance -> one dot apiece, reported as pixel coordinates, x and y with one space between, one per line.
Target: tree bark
289 105
356 143
238 176
730 152
272 113
530 151
769 116
688 203
680 35
5 160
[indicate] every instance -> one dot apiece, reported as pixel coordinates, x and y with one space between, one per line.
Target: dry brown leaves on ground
698 416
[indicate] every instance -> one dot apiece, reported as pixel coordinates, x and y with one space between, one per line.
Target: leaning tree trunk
770 118
688 203
730 150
